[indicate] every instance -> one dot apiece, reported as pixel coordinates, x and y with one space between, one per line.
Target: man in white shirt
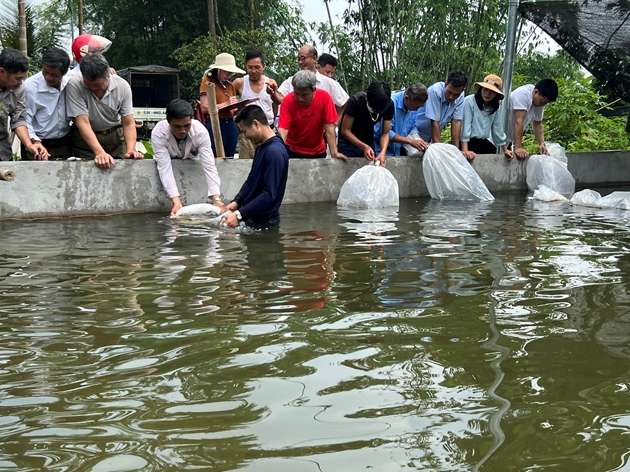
181 137
46 119
327 65
254 85
527 104
101 107
307 59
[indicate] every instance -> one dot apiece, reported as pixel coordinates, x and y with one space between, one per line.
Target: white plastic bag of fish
449 176
591 198
412 151
197 211
545 194
371 186
550 171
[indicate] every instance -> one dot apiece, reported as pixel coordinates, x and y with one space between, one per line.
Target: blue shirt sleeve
433 107
458 114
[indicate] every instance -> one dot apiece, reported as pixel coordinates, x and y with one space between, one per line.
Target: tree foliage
39 35
405 41
282 32
148 31
533 66
575 122
193 59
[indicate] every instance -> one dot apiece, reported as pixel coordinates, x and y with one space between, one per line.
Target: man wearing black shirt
363 111
260 197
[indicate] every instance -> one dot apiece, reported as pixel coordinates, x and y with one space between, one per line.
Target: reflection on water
442 336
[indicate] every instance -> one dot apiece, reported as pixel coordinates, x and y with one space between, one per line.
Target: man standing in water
258 201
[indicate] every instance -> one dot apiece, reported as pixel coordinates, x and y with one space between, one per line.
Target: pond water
440 337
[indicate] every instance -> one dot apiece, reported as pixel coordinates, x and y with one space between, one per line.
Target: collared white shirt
334 88
76 70
45 109
197 147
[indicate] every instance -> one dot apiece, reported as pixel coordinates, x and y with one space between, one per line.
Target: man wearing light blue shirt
46 119
445 105
406 104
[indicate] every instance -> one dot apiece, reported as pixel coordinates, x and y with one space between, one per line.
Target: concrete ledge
54 189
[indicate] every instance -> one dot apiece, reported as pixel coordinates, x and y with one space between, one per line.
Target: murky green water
447 337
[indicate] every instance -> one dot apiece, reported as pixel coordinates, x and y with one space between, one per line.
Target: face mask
370 109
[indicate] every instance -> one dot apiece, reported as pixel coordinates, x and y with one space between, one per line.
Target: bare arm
340 110
130 135
272 90
348 135
539 133
419 144
238 85
329 130
34 147
203 98
456 132
519 128
435 131
384 142
283 133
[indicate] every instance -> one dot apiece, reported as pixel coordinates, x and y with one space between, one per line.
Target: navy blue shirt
261 195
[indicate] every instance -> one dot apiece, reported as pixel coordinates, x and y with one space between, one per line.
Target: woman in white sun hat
481 120
219 74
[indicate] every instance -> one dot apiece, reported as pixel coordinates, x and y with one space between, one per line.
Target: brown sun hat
491 82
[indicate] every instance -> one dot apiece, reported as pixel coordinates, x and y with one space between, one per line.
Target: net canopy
595 32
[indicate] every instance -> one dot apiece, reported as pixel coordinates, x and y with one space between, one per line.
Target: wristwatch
216 199
238 215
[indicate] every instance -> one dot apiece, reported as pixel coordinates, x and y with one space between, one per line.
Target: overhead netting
595 32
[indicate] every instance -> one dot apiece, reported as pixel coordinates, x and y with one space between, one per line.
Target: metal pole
508 60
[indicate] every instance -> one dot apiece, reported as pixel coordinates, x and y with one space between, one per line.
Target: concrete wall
51 189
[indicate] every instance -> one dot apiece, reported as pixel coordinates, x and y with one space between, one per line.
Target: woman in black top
363 111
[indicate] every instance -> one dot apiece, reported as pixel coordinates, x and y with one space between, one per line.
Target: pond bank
58 189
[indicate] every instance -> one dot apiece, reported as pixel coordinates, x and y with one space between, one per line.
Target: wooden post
214 120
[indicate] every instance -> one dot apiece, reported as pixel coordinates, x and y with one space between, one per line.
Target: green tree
148 31
575 122
282 31
193 59
38 35
533 66
404 41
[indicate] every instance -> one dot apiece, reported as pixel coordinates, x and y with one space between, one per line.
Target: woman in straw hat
219 74
481 120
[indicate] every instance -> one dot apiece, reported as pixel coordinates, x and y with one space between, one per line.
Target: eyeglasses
303 58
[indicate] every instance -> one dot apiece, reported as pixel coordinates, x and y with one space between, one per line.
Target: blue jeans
229 133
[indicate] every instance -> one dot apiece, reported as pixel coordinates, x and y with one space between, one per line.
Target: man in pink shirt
306 115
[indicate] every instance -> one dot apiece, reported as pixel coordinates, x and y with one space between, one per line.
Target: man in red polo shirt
306 115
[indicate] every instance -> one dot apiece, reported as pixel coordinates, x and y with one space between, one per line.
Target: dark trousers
350 150
229 135
266 221
297 155
112 142
481 146
59 149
